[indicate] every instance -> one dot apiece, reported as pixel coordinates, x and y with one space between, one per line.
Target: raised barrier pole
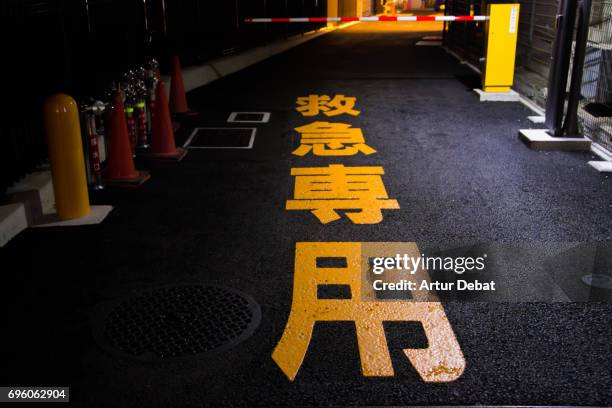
66 157
501 39
372 19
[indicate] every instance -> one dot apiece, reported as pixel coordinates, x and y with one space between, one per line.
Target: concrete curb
42 183
536 119
97 215
539 139
510 96
12 221
601 166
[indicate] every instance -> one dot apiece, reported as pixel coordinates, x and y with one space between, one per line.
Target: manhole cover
178 321
221 138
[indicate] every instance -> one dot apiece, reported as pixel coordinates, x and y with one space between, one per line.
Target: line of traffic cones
120 169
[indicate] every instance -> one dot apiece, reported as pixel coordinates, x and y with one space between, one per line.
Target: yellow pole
66 157
332 11
501 36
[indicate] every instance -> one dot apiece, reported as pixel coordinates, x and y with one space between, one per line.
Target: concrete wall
342 8
332 8
366 7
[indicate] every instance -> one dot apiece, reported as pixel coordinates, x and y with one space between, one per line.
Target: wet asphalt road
462 179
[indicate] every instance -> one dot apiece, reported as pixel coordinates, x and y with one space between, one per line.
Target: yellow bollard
501 35
66 157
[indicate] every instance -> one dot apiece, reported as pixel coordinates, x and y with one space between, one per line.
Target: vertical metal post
145 15
532 21
164 17
444 26
237 9
88 16
570 127
557 78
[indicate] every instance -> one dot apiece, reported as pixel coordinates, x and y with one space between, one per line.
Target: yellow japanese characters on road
441 361
331 139
357 190
312 105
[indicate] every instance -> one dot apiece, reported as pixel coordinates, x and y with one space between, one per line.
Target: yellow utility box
500 49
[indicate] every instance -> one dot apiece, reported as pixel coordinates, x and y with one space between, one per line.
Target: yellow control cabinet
500 52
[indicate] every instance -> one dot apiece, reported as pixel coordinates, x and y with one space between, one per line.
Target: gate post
559 135
559 69
570 127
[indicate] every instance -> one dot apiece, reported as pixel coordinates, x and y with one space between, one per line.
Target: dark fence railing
537 25
595 108
80 46
466 39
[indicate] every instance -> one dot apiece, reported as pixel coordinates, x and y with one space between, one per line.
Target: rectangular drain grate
221 138
249 117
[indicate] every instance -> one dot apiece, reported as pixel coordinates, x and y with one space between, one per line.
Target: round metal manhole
178 321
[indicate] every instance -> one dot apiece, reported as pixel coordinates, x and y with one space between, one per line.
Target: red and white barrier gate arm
364 19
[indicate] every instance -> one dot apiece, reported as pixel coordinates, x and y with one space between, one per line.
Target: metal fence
595 109
465 38
80 46
534 49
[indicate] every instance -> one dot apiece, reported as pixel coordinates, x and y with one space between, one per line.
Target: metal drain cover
221 138
178 321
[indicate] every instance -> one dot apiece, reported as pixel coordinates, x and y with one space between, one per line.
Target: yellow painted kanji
441 361
331 139
359 190
312 105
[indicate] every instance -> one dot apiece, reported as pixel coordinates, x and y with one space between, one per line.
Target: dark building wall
80 46
347 8
36 63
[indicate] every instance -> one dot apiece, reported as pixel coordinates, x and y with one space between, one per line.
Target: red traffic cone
163 145
120 170
178 99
